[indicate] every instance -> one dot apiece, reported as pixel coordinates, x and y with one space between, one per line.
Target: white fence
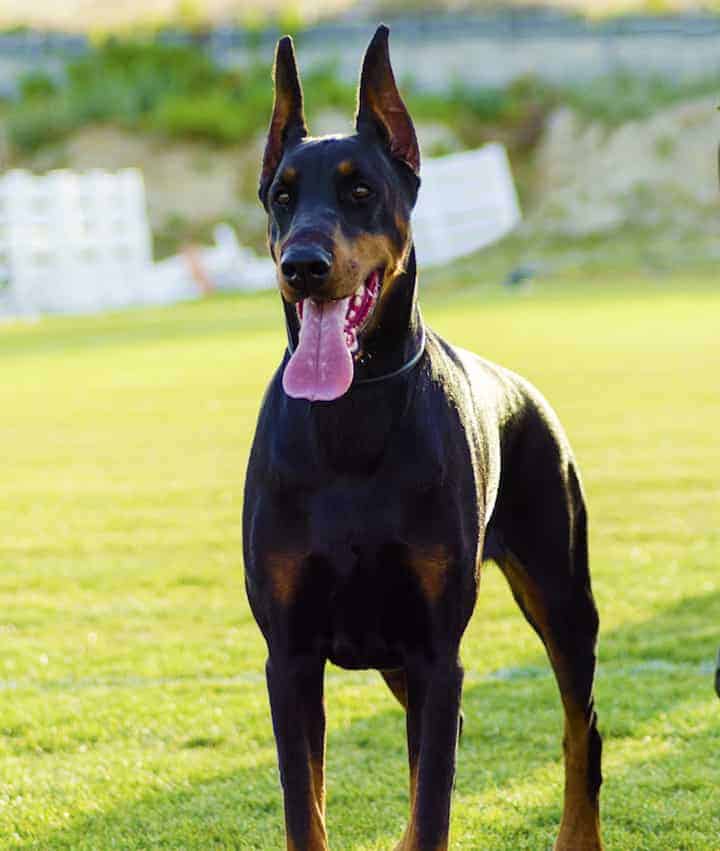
467 201
74 242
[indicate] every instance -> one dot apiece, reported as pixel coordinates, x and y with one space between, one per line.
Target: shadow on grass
512 729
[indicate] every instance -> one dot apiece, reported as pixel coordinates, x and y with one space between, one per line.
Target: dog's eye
360 192
282 198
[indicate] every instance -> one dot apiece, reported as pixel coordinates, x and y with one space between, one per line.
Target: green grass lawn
133 711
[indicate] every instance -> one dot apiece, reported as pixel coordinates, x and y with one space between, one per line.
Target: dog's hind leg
568 628
542 522
295 687
397 683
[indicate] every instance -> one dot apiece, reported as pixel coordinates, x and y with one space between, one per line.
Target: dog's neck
352 432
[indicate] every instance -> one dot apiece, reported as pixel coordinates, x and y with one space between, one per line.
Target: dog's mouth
360 306
322 367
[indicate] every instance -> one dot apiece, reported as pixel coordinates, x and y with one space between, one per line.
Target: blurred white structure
225 266
73 242
467 201
81 243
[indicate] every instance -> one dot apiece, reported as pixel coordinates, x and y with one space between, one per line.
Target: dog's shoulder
491 388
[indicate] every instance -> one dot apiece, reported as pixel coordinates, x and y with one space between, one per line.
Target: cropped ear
287 124
380 106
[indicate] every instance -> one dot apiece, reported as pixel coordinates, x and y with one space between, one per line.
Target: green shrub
123 81
151 66
35 123
36 84
178 91
216 117
104 99
134 77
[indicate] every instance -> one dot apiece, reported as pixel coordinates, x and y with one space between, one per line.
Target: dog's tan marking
398 265
346 167
526 593
317 833
580 826
363 253
398 685
355 259
318 776
409 840
289 174
403 228
284 570
316 842
430 566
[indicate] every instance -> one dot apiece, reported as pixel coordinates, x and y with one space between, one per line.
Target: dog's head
338 218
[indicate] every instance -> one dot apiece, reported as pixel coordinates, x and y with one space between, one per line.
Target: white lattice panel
74 242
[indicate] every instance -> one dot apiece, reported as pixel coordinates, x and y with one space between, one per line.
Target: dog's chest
372 562
358 553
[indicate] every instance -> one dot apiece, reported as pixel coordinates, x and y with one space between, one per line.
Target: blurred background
607 109
571 215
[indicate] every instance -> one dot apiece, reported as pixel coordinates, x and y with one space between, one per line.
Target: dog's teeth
358 300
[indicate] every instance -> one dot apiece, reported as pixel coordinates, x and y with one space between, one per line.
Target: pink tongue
321 368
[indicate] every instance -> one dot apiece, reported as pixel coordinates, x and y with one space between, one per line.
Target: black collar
395 373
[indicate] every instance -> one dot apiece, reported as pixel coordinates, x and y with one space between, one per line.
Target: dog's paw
583 842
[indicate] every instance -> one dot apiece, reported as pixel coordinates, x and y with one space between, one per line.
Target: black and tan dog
386 466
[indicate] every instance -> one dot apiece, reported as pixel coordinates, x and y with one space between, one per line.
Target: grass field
133 711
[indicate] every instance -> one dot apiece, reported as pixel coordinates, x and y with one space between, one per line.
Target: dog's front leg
433 713
295 686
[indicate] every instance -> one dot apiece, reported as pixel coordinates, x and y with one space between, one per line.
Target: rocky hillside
661 172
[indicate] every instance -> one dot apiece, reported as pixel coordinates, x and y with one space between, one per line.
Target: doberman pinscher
386 466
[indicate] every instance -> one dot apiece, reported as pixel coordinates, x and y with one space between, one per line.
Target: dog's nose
306 267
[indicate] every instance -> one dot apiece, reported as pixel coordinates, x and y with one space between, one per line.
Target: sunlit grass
133 710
